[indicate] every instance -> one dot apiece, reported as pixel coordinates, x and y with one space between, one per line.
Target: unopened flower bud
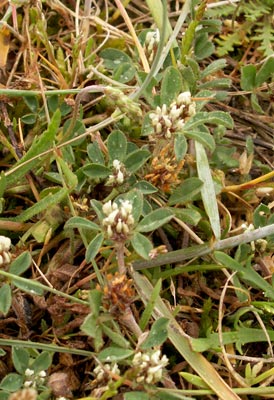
120 177
119 226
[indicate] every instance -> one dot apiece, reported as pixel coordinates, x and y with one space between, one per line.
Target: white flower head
5 256
118 173
116 164
120 177
29 372
107 208
126 207
168 120
5 243
184 98
149 366
119 220
105 371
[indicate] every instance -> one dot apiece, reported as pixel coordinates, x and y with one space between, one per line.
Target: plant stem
120 258
128 320
27 344
204 249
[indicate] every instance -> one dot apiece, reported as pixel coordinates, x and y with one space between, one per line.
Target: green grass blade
150 305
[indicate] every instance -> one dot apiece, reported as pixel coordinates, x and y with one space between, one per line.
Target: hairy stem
203 249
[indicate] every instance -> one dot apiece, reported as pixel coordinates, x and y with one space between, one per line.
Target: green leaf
95 301
20 359
96 171
145 187
240 337
42 205
213 117
95 154
69 177
203 46
28 286
124 73
265 72
90 326
194 380
154 220
202 136
186 191
190 77
113 58
261 215
41 144
97 206
3 184
32 103
5 298
171 85
213 67
188 215
255 103
171 394
94 247
29 119
82 223
141 245
114 354
136 160
117 338
222 83
136 396
180 146
147 128
53 102
157 335
208 190
117 146
20 264
11 382
42 362
248 77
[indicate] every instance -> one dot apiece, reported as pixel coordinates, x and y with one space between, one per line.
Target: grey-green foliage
256 23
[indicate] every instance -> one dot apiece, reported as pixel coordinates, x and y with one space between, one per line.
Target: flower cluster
34 380
118 293
168 120
119 220
117 98
5 256
151 43
260 243
149 366
165 169
103 373
118 174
